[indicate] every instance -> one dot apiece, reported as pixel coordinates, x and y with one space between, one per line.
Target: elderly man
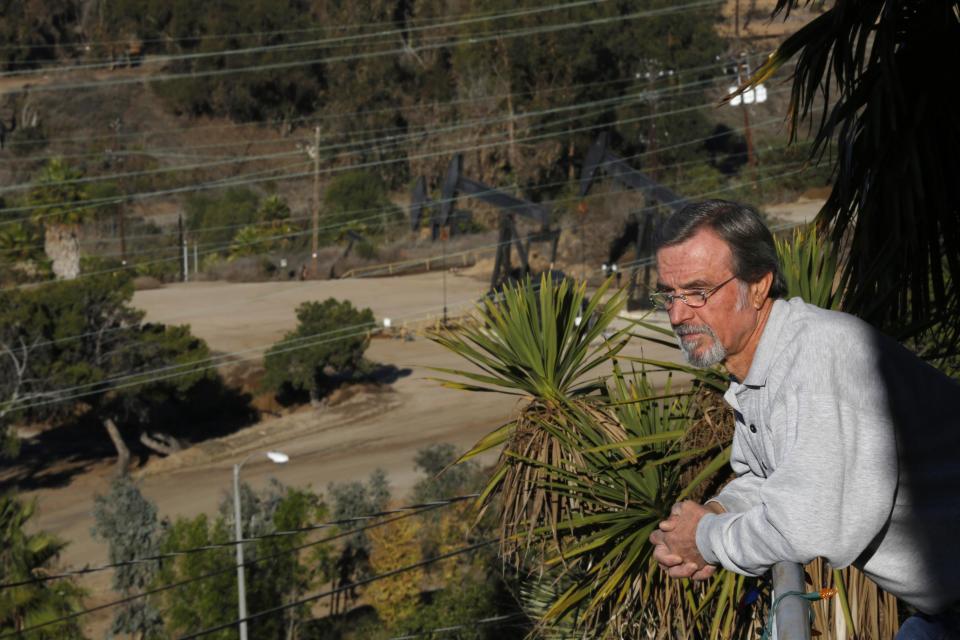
846 445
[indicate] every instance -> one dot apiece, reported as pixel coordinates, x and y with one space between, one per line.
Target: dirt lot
375 428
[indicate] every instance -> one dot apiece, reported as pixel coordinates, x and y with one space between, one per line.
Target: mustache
691 329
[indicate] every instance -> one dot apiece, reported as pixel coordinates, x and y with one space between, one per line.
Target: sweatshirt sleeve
830 494
741 493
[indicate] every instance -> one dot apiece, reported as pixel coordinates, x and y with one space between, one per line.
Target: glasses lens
660 300
696 299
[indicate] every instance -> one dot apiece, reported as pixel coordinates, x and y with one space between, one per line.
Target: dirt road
374 429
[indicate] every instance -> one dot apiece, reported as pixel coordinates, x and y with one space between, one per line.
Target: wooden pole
747 134
315 245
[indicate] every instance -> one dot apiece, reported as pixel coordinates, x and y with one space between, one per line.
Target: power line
306 341
211 574
358 583
458 627
375 215
89 204
223 36
163 77
314 119
392 141
397 140
385 36
408 510
334 226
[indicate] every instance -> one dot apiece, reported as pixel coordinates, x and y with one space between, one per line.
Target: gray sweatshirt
847 446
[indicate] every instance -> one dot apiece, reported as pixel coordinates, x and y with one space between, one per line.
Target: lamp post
277 458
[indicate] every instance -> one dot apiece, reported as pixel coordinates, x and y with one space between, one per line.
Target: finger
682 570
705 573
668 525
664 557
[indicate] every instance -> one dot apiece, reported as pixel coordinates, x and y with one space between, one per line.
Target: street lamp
277 457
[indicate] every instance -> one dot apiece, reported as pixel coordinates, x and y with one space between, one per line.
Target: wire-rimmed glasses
694 299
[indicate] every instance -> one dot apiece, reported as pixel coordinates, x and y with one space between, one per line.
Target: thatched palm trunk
62 246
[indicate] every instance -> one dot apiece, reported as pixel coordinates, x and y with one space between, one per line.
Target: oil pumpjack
640 227
444 214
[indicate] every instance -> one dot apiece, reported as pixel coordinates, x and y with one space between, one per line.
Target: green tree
83 350
327 345
26 555
354 500
213 219
255 95
358 200
283 576
58 208
444 478
34 31
128 522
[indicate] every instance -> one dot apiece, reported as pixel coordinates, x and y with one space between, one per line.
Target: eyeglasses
693 299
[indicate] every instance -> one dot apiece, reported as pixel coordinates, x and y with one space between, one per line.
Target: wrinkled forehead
702 259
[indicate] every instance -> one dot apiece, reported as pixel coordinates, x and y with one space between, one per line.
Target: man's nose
679 313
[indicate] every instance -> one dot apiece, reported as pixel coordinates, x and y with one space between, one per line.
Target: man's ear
760 290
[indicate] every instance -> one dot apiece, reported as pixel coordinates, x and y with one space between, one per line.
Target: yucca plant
592 463
810 267
542 343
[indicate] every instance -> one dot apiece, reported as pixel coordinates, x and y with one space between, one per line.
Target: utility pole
747 134
183 249
582 210
315 244
444 234
116 125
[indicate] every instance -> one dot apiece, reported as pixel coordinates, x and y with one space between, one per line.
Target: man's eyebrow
686 286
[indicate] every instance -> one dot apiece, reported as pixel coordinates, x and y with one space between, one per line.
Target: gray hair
741 227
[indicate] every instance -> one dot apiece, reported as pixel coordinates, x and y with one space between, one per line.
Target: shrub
358 201
327 345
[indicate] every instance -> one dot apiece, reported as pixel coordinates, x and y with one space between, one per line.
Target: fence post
793 614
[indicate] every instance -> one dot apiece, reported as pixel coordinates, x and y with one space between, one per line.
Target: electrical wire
89 204
313 119
128 380
378 143
408 510
389 141
471 250
473 40
232 568
353 585
385 36
465 625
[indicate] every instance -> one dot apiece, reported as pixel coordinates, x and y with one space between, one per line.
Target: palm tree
56 202
25 556
877 66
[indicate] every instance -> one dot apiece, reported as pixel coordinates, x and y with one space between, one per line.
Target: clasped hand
675 543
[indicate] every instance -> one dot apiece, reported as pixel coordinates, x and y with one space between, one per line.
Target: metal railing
793 614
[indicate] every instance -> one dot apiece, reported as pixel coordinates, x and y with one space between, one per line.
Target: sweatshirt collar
766 351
